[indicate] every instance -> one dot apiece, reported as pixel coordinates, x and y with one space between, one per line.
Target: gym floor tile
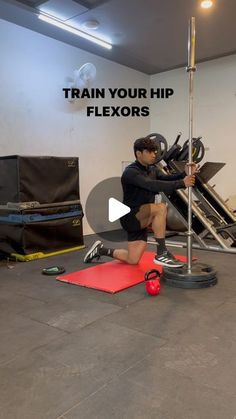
21 335
71 314
146 392
102 348
203 361
164 316
17 303
32 387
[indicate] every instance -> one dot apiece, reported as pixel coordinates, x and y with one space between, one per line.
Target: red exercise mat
114 276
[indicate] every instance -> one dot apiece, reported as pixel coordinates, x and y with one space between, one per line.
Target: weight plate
201 276
162 145
53 270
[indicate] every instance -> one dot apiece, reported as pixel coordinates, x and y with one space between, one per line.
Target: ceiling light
75 31
91 24
206 4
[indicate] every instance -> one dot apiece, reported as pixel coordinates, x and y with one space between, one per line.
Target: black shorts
132 227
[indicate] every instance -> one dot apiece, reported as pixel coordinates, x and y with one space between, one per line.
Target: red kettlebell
152 282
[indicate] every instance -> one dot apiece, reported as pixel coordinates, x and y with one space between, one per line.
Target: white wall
36 119
214 113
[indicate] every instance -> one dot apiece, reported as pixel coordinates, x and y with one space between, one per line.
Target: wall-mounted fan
85 75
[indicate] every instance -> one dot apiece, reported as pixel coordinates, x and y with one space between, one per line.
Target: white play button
116 209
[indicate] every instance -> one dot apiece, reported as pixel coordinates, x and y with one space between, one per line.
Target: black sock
103 251
161 246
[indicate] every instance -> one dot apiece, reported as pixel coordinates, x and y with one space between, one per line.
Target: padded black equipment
43 179
41 236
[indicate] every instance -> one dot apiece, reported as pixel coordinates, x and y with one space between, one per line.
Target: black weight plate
190 285
53 270
200 152
199 272
162 145
201 276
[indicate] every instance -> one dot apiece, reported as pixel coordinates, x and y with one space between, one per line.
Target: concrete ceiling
147 35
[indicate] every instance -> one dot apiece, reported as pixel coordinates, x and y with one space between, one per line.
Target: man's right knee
160 209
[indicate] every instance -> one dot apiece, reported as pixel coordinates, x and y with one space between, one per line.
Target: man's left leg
131 256
134 253
137 241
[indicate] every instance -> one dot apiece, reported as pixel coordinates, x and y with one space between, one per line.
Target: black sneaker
93 252
172 256
167 259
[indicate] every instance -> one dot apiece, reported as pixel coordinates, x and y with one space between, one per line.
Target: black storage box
41 236
42 179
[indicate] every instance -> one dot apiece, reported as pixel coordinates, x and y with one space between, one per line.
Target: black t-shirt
141 184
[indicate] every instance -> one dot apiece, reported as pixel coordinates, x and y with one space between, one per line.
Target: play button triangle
116 209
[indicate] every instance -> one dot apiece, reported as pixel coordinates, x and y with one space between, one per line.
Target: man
141 181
